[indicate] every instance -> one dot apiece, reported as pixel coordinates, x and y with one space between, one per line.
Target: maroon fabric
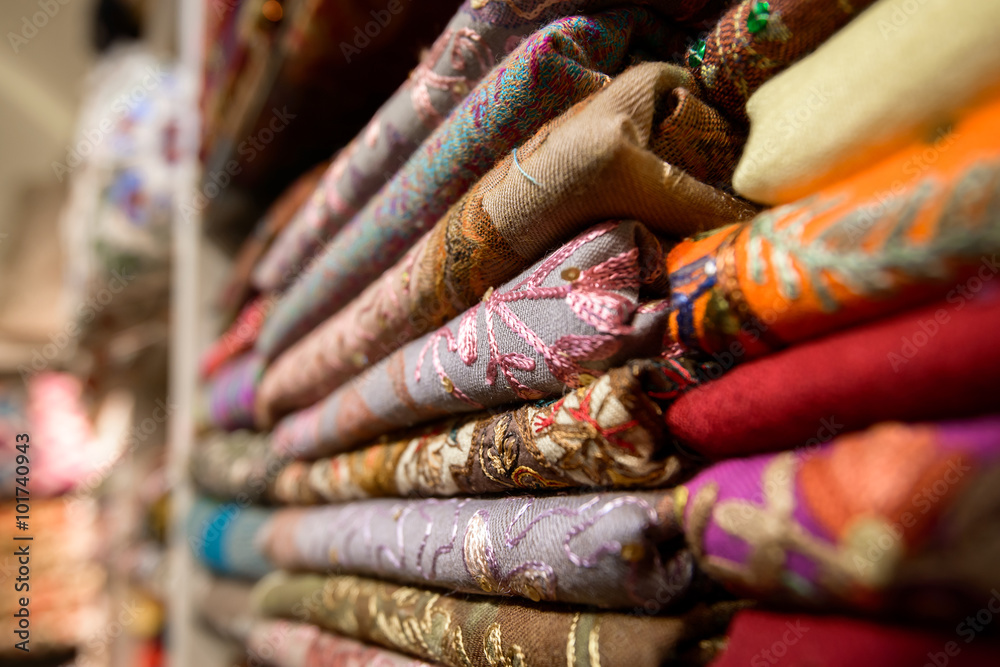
907 368
761 639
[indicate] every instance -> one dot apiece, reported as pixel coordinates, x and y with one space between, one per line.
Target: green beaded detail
759 15
697 55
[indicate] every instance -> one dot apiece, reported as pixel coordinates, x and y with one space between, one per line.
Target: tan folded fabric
895 74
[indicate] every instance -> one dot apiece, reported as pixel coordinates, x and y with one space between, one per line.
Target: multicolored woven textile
833 114
897 509
939 362
759 638
755 40
222 536
515 213
459 632
231 391
565 320
479 36
607 550
287 644
876 243
607 434
550 71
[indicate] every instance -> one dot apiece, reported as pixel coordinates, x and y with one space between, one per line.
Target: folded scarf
834 113
940 362
755 40
611 550
229 394
878 242
550 71
287 644
483 632
759 638
222 537
874 520
565 320
516 213
608 434
479 36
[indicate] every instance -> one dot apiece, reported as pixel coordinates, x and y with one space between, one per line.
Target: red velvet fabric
933 363
762 639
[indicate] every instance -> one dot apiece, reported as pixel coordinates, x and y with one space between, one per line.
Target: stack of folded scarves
595 371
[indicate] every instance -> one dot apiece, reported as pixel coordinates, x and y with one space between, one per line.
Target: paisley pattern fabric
606 550
238 339
565 320
517 212
878 242
550 71
222 537
289 644
737 60
482 632
607 434
898 508
480 36
933 363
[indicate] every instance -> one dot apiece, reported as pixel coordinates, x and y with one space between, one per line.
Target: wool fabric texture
833 113
476 39
568 318
508 219
811 640
883 240
737 61
289 644
900 508
231 392
222 537
551 70
484 632
608 434
938 362
607 550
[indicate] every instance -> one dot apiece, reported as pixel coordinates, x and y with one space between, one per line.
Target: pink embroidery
589 297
